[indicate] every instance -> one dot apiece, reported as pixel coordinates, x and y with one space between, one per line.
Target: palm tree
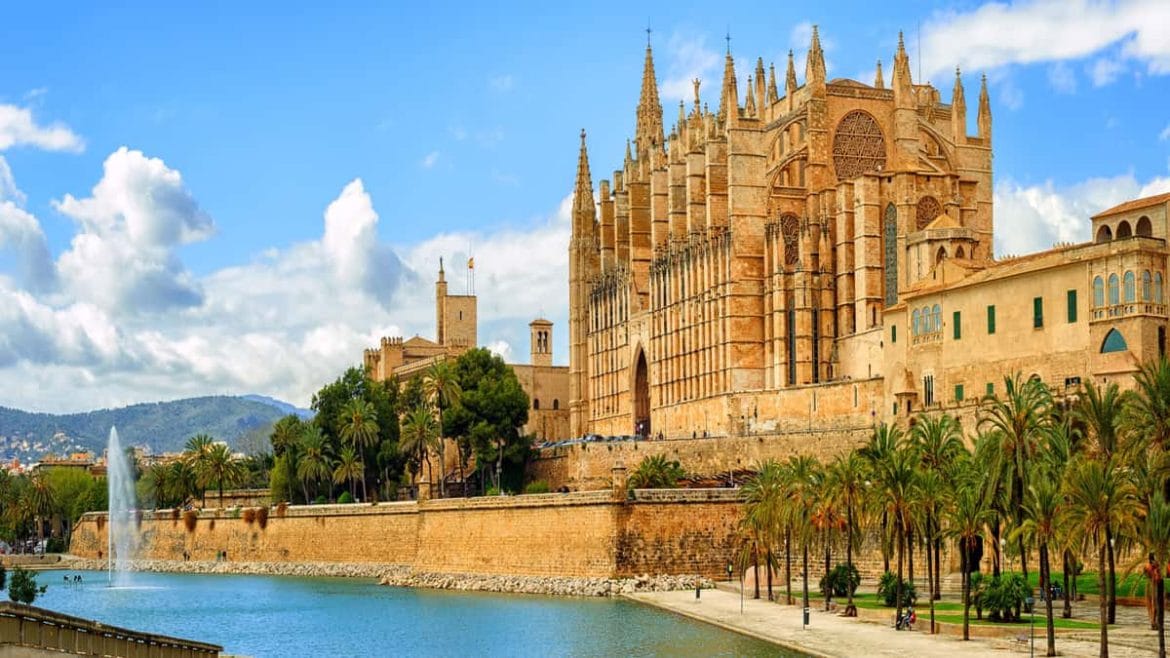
1100 410
349 467
359 428
938 439
441 384
655 472
41 501
764 510
158 485
1153 535
882 442
895 477
1043 508
182 482
1018 421
803 484
966 516
419 436
847 479
930 496
219 467
313 465
1099 498
1147 411
196 453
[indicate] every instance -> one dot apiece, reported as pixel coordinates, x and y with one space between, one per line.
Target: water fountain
121 531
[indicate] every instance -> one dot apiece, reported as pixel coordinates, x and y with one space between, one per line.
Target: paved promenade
833 636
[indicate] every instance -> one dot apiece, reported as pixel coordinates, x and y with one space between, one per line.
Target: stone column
620 493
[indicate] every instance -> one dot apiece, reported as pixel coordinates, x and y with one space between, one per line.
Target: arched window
1123 230
556 404
914 325
536 403
1143 226
941 255
1157 287
1104 234
959 253
936 318
790 234
1129 288
1114 342
1098 292
1114 291
891 254
927 211
1147 286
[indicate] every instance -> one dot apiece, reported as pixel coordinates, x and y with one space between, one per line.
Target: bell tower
540 331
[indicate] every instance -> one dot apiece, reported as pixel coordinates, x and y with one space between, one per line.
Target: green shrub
492 491
1003 596
55 545
23 588
537 487
345 498
888 591
843 579
321 500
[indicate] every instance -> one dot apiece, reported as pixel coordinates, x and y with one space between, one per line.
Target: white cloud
1165 134
8 188
1042 215
1105 70
1062 78
501 83
18 128
996 34
430 160
686 58
122 259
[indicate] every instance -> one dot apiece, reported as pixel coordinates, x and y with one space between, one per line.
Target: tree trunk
828 561
996 556
910 556
756 567
788 565
1023 558
1160 607
769 560
930 579
898 583
1103 608
966 589
849 560
1067 613
937 564
805 598
1046 589
885 544
442 455
1112 582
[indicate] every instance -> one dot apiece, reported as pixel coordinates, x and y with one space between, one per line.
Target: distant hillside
284 407
163 426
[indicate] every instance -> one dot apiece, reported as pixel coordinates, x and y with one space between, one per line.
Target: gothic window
928 210
556 404
1157 287
790 233
1129 288
1114 294
959 253
915 325
1098 292
941 255
1104 234
536 403
1143 226
936 318
1147 285
1114 342
891 255
858 146
1123 230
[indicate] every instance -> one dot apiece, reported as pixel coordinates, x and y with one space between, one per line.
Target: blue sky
237 197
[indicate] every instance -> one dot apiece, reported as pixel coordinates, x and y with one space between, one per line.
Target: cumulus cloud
123 256
1165 134
1062 78
996 34
430 160
18 128
686 57
1030 218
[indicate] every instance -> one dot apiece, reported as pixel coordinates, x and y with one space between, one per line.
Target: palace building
456 331
818 254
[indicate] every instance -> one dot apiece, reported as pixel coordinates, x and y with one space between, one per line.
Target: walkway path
831 636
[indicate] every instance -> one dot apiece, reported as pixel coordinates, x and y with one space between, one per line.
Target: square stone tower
540 331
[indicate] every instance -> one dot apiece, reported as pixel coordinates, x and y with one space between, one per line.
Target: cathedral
819 255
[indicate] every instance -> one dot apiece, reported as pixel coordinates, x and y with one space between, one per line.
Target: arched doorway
641 396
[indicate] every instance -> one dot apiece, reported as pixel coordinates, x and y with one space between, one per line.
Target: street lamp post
1032 624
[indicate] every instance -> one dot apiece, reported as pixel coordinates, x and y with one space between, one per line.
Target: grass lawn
1132 585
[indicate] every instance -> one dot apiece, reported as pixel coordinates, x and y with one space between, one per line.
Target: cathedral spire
761 88
958 110
583 209
814 71
790 77
648 132
902 83
681 128
773 92
879 80
749 104
729 96
984 113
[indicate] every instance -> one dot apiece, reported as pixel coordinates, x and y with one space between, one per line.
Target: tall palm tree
41 501
1100 410
314 464
1060 443
803 483
1099 498
966 516
1147 411
1153 535
895 477
441 384
1043 508
930 497
764 509
195 452
359 428
847 480
349 468
419 437
938 439
883 441
220 468
182 482
1018 420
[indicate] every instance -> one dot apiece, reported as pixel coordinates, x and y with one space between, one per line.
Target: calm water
279 616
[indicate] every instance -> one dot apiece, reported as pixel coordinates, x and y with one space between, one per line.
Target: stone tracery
858 146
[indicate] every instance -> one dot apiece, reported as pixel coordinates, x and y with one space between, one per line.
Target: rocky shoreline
404 576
